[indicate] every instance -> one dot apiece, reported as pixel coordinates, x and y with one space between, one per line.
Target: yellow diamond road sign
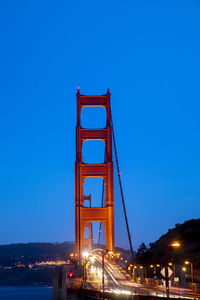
170 272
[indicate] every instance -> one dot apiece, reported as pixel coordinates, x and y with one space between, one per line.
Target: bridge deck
94 294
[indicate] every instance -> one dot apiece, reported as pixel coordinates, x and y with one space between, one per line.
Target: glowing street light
175 244
187 262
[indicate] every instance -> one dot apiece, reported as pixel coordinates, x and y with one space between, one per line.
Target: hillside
188 234
33 252
19 263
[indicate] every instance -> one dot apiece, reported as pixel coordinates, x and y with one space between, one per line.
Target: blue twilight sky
148 54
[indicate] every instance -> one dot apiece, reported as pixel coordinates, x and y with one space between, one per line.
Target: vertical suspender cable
121 190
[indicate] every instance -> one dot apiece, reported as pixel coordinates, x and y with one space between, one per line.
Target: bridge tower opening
89 240
86 215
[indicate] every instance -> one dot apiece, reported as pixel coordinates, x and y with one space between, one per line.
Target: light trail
124 286
100 261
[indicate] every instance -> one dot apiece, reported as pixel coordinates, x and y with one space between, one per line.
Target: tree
141 250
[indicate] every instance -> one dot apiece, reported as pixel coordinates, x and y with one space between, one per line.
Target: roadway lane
117 281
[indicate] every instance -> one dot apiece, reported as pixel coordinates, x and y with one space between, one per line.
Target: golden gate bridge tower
85 216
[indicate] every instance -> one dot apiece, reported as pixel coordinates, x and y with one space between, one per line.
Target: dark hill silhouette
25 254
188 234
32 252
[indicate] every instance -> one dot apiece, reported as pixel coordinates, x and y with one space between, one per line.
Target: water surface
25 293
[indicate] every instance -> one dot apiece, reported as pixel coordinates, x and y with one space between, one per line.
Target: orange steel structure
88 241
85 215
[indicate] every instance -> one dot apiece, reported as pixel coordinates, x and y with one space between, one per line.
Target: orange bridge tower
86 215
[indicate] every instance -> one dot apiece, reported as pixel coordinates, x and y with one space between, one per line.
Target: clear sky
148 54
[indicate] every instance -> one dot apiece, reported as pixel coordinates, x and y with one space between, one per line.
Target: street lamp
192 272
172 244
158 265
154 269
131 270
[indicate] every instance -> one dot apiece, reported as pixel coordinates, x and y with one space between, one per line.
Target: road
116 280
